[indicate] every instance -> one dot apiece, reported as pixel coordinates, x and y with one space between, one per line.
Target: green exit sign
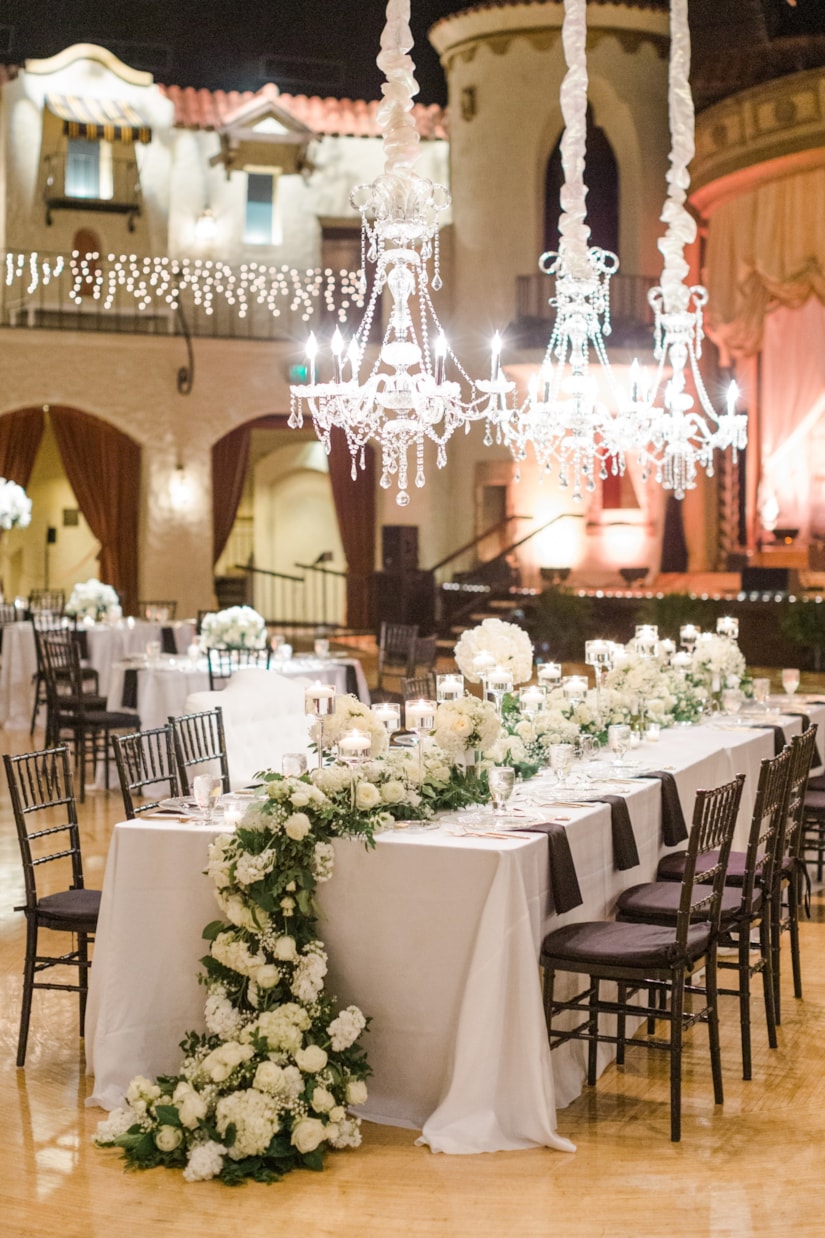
299 373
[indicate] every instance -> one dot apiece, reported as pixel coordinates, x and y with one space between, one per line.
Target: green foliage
558 622
804 623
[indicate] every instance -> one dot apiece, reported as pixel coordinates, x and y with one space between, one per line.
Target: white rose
269 1077
356 1092
336 1113
307 1134
392 792
284 949
190 1105
297 826
267 977
168 1138
299 799
366 796
322 1100
311 1059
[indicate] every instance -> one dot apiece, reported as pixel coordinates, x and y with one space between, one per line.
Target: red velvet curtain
355 509
20 436
103 468
230 458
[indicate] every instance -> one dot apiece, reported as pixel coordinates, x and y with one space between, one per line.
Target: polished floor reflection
753 1166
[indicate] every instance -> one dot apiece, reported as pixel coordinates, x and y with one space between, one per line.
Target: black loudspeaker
399 547
51 536
765 579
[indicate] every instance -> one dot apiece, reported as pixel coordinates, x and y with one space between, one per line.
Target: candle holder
727 626
499 683
597 653
688 635
419 717
449 687
354 747
388 714
319 703
549 673
483 663
574 688
646 640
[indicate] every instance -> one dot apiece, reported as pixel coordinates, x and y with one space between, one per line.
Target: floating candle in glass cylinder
550 673
319 699
449 687
689 634
646 640
354 746
575 688
682 661
727 626
500 680
532 699
666 650
388 714
597 653
419 715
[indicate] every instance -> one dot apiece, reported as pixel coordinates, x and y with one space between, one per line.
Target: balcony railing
143 295
629 306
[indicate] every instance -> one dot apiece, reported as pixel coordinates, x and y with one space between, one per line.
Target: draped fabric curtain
765 247
230 459
103 468
20 437
355 510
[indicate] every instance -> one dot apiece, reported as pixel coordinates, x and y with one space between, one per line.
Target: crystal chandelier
564 420
406 398
680 437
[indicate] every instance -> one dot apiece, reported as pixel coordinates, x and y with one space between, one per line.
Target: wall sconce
206 225
180 489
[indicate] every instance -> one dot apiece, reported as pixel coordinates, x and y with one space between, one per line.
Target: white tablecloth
436 937
163 688
106 645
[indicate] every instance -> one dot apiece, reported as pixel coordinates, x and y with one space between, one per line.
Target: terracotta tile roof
207 109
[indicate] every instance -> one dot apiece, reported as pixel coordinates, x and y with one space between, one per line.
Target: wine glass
618 741
790 680
207 789
561 759
293 764
761 692
501 780
321 647
731 700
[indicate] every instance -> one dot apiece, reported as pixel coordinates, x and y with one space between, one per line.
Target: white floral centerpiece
507 643
467 723
234 628
718 662
351 715
267 1087
92 600
15 506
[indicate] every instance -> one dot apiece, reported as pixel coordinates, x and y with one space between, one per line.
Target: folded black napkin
674 827
130 682
563 880
167 641
81 638
350 680
779 740
625 854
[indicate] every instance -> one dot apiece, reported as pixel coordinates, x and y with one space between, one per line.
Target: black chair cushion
76 908
615 944
657 902
672 866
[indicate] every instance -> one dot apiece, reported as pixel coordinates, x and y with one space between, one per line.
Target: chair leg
767 977
744 971
28 989
776 942
621 1024
677 1000
793 917
712 988
83 977
593 1029
38 685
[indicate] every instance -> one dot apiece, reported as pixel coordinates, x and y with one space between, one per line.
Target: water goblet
207 789
618 741
761 692
561 759
293 764
153 651
790 680
321 647
501 779
731 701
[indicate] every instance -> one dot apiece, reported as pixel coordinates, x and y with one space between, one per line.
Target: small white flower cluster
507 643
234 628
345 1029
92 600
15 506
466 723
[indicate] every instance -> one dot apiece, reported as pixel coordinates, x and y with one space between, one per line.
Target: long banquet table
106 644
163 685
434 935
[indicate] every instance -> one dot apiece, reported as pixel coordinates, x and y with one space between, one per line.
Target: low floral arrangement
93 600
234 628
15 506
717 663
467 723
507 643
351 715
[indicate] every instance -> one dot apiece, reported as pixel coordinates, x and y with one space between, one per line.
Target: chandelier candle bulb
337 352
312 353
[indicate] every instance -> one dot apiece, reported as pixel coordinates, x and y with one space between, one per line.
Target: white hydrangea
323 861
308 978
254 1115
92 600
250 868
506 642
205 1161
282 1028
221 1017
345 1029
220 1063
117 1124
347 1134
236 955
236 627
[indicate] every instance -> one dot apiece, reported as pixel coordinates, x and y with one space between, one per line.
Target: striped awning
109 119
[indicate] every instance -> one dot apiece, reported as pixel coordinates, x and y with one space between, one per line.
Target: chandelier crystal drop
681 438
564 419
407 397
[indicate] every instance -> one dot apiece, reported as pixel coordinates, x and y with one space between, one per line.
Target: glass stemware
319 703
790 680
501 779
618 741
761 692
207 790
419 717
561 760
